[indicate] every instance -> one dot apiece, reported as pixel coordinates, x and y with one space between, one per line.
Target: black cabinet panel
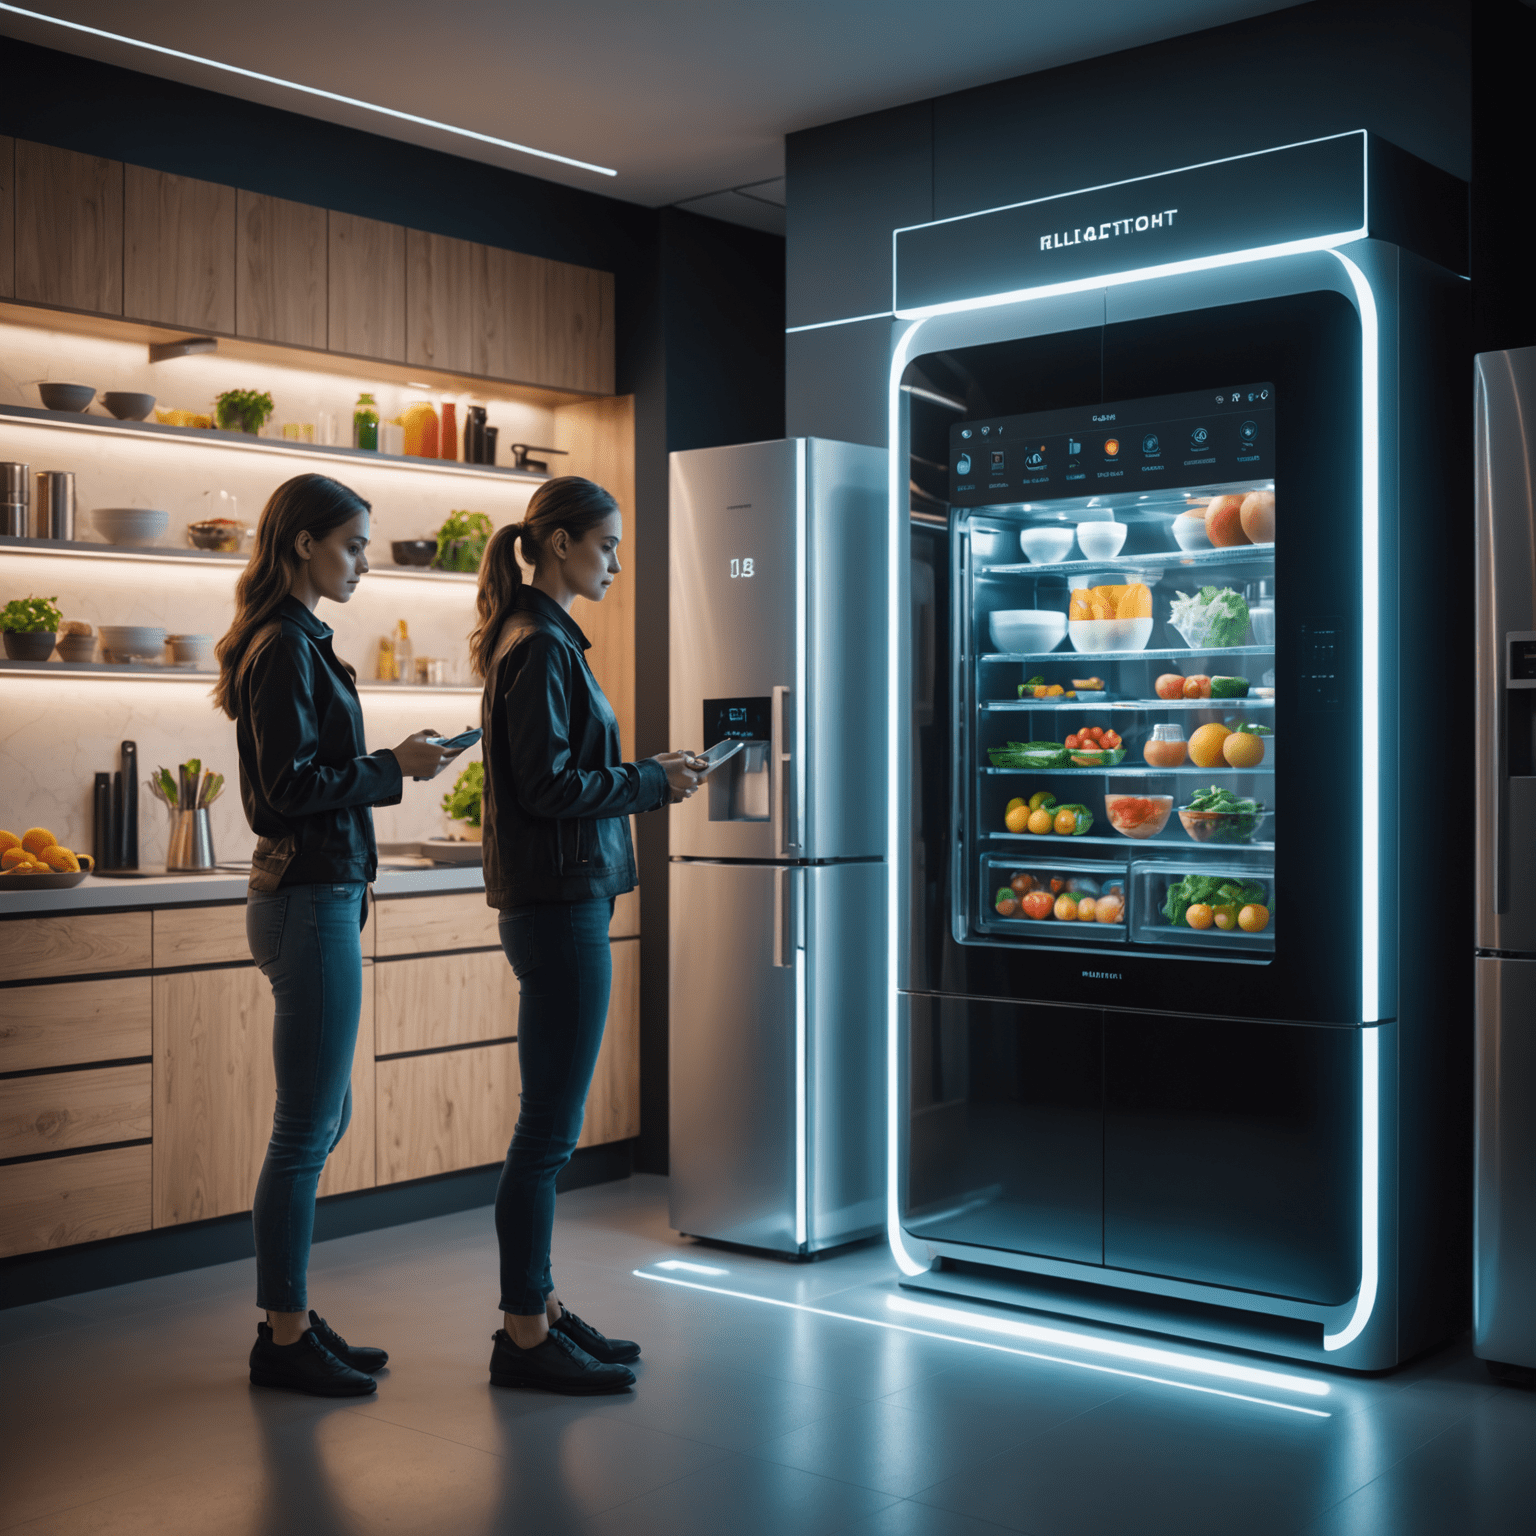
1232 1153
1006 1127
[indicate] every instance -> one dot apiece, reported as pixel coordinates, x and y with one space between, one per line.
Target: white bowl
196 649
1110 634
1027 629
1189 532
132 642
1101 541
989 544
129 525
1046 546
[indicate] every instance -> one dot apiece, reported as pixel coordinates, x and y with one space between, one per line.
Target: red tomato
1111 739
1058 885
1072 741
1022 884
1038 904
1096 731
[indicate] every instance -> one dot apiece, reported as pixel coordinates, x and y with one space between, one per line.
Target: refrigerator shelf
1004 706
1161 562
1171 844
1122 771
1091 659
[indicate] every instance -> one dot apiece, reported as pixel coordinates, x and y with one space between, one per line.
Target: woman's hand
420 758
682 777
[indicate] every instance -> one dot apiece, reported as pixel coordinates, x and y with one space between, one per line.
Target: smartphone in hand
705 763
456 743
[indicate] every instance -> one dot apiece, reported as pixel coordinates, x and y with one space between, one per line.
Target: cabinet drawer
214 935
626 916
613 1102
64 1200
74 1021
438 1113
61 1110
413 925
436 1000
74 944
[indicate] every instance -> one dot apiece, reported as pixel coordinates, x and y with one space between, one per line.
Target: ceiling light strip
309 90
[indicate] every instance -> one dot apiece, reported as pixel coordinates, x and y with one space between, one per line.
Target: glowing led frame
1370 789
797 767
307 90
1190 1363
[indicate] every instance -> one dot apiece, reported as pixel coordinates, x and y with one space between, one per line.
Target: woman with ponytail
556 809
308 783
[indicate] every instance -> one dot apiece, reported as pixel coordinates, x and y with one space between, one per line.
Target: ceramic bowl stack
192 651
137 526
132 642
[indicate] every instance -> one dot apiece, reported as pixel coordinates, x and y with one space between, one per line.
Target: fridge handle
786 829
1500 794
787 917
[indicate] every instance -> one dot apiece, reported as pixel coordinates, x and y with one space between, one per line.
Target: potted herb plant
461 541
462 804
242 410
31 628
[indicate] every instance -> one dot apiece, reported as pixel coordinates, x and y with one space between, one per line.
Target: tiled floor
128 1411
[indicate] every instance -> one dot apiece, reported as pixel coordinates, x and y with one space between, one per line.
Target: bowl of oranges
37 860
1110 618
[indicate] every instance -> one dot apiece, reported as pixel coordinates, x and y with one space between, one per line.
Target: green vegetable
1229 687
1032 682
462 802
31 616
1217 617
1004 893
1252 728
1028 754
1213 890
461 541
1083 814
242 410
1090 757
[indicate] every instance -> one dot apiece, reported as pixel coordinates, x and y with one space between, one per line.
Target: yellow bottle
405 655
386 660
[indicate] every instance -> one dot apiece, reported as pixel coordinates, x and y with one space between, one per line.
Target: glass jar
365 424
1166 747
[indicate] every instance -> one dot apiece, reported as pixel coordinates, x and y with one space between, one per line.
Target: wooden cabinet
215 935
178 250
570 316
57 1111
435 1001
453 1109
74 944
366 288
415 925
280 283
613 1104
66 1023
69 229
353 1164
441 287
64 1200
7 217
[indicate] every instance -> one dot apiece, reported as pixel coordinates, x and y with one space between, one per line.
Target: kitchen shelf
243 442
1091 659
168 554
1009 706
169 673
1126 770
1169 845
1125 565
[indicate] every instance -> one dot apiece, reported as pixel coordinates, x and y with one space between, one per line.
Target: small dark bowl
66 397
127 406
413 551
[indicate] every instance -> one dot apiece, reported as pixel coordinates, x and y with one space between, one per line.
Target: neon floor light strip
1370 851
1003 1349
308 90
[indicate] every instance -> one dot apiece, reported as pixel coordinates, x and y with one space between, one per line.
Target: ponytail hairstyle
312 504
567 502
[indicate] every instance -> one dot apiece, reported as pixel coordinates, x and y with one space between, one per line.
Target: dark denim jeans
305 939
559 952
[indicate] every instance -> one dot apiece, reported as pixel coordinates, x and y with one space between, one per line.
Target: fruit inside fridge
1114 648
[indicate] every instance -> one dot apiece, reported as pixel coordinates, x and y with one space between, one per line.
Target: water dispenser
739 789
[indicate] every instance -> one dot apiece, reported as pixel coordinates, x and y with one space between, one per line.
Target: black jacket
557 794
306 775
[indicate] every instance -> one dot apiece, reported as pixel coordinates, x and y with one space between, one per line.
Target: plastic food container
1166 748
1109 634
1222 826
1138 816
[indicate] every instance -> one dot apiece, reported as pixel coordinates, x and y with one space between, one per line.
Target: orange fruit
1135 602
1257 515
1065 823
1205 746
1083 604
62 860
35 839
1243 749
8 840
1199 915
1066 907
1223 522
1087 909
1017 800
1040 821
1017 818
1254 918
15 859
1226 917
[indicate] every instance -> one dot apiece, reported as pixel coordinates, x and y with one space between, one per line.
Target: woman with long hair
556 808
308 783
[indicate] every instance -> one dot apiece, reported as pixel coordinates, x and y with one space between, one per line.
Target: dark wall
1400 68
699 324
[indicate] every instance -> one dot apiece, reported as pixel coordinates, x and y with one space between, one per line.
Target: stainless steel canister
53 514
15 500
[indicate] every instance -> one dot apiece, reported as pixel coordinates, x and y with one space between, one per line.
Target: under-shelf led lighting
693 1269
309 90
1002 1349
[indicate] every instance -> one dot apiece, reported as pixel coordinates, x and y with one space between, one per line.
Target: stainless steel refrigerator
1505 1283
778 882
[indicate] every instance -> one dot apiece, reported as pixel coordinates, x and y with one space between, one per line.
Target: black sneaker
359 1356
608 1351
556 1364
307 1366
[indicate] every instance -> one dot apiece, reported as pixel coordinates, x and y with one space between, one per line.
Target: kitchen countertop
95 892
